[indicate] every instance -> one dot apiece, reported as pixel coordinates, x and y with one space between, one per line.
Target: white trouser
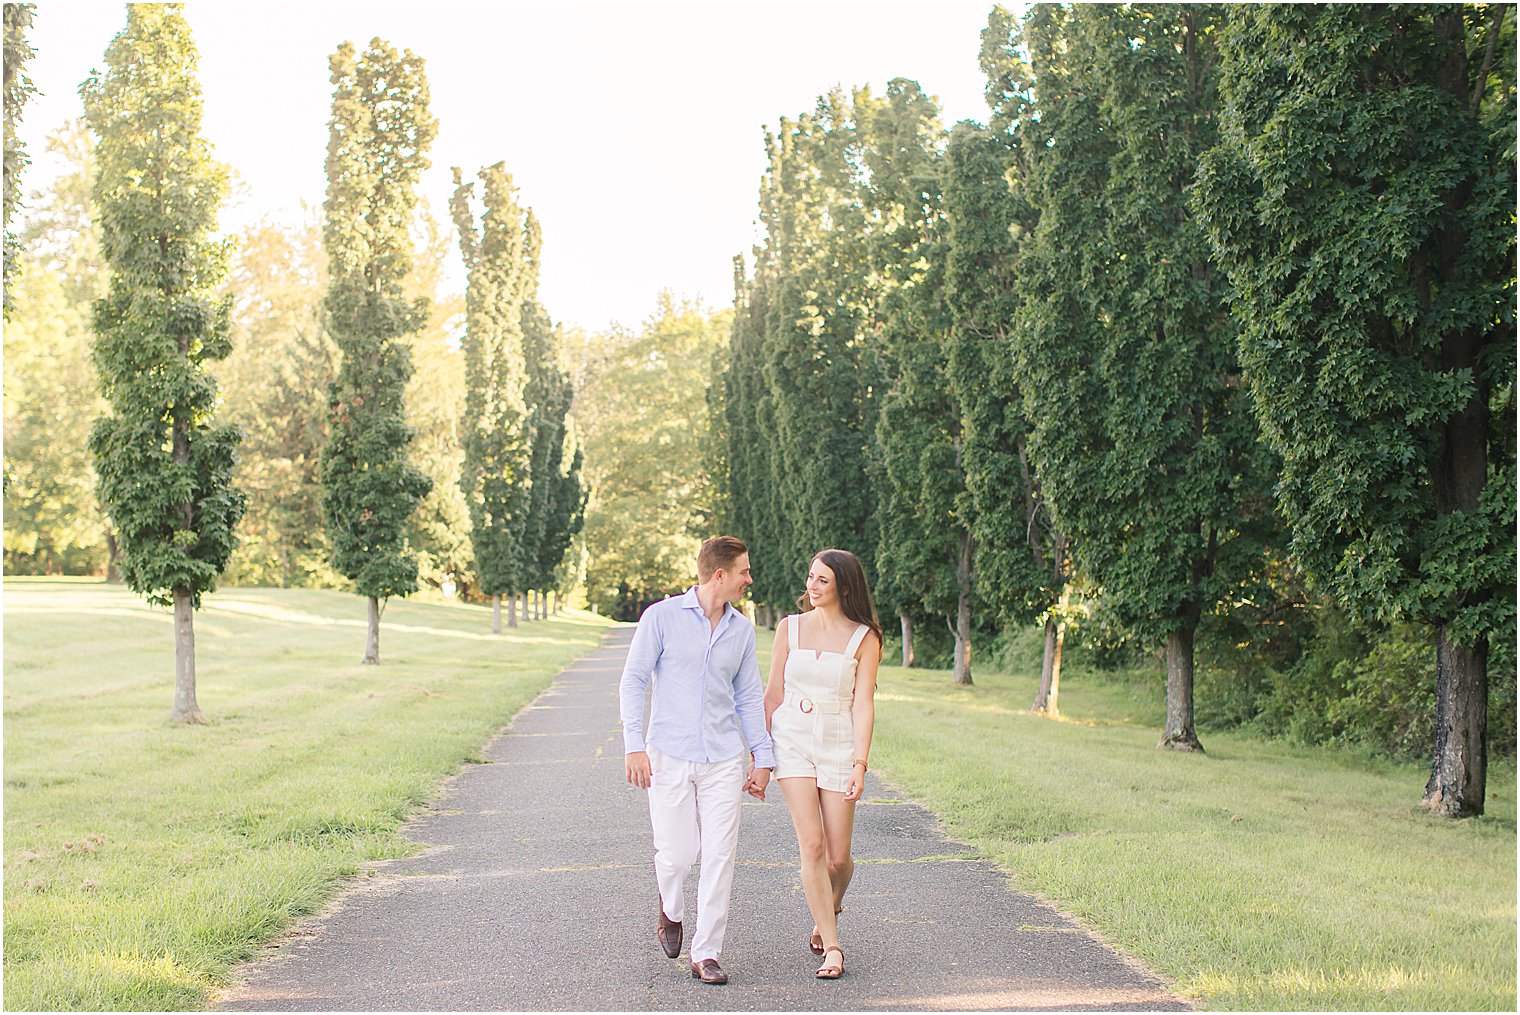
694 808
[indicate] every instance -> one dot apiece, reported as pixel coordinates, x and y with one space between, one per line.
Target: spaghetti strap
856 639
791 630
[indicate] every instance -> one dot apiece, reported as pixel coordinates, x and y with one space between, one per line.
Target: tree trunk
185 708
543 605
1041 702
372 646
496 613
907 639
963 613
554 603
1459 769
1179 734
512 610
113 570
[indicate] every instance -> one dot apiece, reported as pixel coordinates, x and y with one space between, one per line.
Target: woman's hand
857 783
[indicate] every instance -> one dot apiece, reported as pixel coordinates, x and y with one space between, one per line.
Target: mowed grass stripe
142 859
1258 876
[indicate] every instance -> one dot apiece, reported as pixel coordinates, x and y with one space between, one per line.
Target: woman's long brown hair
854 594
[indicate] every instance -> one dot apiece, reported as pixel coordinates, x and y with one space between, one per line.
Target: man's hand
758 779
636 765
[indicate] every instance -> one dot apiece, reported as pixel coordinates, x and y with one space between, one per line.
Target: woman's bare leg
807 820
838 827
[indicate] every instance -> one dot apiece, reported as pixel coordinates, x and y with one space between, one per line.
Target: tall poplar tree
558 507
1363 202
165 467
925 547
1142 430
379 136
497 478
815 417
1021 553
18 89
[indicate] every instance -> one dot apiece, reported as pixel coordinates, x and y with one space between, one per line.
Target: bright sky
633 129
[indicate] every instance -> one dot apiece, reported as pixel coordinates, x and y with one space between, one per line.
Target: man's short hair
718 552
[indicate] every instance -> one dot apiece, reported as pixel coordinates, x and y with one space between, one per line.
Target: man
698 652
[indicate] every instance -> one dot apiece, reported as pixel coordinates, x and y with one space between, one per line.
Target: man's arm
637 671
749 704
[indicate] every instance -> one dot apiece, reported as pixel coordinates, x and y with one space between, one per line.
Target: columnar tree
925 547
1363 201
497 426
558 507
1142 433
165 467
380 132
747 493
1020 552
815 417
18 88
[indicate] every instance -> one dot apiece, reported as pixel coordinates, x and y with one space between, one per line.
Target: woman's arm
775 687
863 712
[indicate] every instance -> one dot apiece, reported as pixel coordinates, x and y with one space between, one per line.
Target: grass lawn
143 859
1256 876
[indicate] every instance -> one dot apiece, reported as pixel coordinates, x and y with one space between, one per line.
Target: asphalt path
536 892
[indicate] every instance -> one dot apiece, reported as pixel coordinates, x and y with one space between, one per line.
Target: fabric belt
806 704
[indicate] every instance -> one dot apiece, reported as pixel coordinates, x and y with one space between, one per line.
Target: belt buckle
806 704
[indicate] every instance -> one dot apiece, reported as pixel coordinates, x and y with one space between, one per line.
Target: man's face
732 581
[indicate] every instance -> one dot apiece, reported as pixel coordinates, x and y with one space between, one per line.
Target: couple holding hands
715 734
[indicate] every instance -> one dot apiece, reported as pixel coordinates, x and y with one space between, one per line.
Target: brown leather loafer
669 933
708 971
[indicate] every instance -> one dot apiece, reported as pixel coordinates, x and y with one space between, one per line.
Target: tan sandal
831 970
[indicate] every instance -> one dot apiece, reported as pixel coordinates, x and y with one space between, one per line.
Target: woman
819 704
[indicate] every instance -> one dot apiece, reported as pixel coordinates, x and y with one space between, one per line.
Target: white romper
812 730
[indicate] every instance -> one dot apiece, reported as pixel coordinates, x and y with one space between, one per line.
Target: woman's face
821 589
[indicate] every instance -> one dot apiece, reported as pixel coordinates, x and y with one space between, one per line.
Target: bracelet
862 763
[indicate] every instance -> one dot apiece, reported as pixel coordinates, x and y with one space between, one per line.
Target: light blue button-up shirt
706 685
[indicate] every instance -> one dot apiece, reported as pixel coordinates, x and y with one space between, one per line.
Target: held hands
756 781
636 765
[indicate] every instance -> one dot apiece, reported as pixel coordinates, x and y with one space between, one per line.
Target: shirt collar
689 601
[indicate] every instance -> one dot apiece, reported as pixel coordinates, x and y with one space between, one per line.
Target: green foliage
558 508
558 511
497 430
644 423
1019 552
918 469
18 89
1142 433
53 522
274 384
53 518
381 129
805 325
165 468
1363 203
439 530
